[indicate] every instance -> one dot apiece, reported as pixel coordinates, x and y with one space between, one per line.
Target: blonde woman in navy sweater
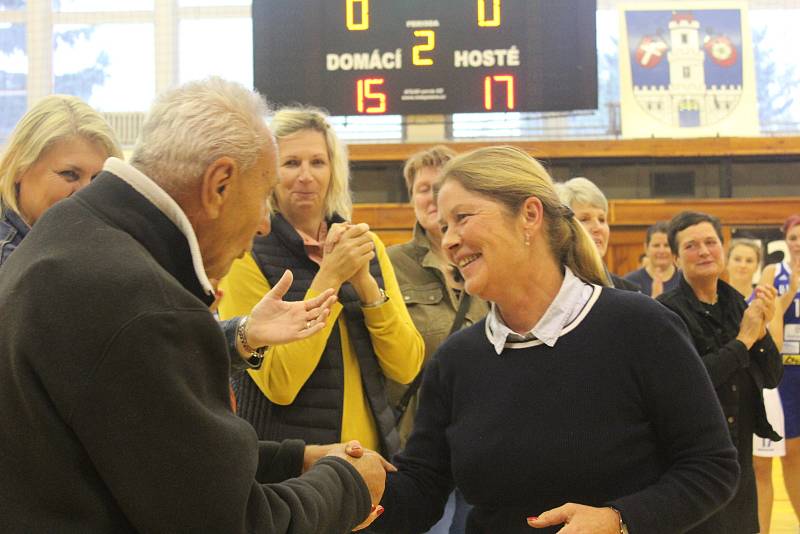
572 406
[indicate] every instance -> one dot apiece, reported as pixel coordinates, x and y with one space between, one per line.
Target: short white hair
581 190
191 126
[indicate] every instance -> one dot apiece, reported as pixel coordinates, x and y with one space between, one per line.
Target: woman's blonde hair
52 119
290 120
509 176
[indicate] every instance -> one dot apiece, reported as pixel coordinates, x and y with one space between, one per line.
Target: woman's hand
348 248
374 514
579 519
767 295
658 285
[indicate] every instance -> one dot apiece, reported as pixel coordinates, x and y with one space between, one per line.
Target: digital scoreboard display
375 57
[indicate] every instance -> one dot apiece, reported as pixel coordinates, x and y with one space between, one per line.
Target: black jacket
114 398
738 376
724 355
621 283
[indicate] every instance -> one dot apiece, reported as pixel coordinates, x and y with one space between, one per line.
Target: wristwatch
254 356
378 302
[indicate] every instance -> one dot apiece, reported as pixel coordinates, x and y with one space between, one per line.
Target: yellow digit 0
482 20
352 25
430 44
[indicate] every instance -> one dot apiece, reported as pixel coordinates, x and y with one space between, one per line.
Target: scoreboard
374 57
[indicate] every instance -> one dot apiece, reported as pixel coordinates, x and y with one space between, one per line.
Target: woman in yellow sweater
328 387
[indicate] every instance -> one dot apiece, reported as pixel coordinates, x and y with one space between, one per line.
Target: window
358 128
73 6
10 5
13 76
111 66
197 3
222 47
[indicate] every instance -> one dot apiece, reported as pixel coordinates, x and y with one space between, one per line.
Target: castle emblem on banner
687 73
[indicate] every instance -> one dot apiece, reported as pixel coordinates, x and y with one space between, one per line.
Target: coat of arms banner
686 70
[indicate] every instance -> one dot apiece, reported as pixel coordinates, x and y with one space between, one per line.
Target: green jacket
431 304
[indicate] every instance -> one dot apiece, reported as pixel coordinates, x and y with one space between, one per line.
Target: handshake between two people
370 465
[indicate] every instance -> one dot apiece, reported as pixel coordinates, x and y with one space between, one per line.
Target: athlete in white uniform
785 276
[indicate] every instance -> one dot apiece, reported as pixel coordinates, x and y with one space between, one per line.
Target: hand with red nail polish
374 514
578 519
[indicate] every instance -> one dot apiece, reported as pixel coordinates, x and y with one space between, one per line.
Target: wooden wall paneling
624 247
732 211
603 148
392 222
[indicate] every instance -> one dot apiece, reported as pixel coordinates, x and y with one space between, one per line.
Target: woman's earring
527 239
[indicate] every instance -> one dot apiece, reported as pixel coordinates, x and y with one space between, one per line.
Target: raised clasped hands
757 316
767 295
658 285
275 321
370 465
578 519
347 252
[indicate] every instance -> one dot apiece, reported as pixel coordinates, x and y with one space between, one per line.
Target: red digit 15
367 99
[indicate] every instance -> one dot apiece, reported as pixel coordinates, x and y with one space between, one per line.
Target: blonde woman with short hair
57 147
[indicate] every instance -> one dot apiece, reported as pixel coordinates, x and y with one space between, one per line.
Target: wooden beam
731 211
603 148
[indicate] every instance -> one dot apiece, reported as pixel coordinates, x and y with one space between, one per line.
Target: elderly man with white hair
114 375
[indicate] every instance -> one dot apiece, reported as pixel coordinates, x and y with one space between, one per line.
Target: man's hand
579 519
274 321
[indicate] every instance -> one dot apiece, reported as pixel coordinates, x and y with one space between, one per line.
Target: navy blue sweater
619 412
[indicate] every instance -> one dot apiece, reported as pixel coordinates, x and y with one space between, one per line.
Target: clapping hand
347 251
658 286
767 295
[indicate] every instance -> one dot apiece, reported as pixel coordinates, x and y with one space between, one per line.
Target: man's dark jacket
114 399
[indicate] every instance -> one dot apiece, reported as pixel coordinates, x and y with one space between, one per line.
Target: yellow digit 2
352 25
495 20
430 44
